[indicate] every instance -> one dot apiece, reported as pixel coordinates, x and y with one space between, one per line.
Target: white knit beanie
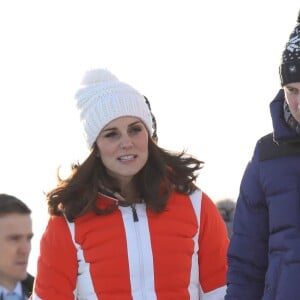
104 98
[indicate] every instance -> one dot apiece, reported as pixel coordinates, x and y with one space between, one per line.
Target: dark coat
264 251
27 285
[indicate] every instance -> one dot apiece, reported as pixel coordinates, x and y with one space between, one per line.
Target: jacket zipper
134 213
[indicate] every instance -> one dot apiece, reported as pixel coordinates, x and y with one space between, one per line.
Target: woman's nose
126 142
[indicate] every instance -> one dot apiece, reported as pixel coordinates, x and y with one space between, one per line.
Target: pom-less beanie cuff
104 98
289 72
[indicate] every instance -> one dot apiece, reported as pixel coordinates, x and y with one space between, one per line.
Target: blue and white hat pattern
290 66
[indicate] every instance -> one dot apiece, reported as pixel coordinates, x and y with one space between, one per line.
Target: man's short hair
10 204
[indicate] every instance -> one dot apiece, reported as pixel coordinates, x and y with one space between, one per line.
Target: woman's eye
110 134
136 129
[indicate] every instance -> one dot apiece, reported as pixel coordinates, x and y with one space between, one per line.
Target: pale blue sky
209 69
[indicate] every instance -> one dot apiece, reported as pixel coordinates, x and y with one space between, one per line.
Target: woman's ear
95 150
154 138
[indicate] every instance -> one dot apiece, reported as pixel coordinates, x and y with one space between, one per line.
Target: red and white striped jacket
178 254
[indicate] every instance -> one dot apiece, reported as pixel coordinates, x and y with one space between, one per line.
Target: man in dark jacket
264 251
15 245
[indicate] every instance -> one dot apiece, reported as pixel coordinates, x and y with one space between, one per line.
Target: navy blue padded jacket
264 250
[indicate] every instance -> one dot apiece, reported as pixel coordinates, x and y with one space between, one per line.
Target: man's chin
21 275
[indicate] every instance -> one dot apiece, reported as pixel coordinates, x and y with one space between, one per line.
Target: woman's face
292 96
123 147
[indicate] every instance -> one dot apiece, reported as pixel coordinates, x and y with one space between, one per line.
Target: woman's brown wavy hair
163 172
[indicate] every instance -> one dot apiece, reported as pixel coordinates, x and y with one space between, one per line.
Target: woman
129 222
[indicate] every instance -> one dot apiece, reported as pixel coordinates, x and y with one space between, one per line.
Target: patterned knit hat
290 65
104 98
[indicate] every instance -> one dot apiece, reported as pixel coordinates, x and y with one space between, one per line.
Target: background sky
209 69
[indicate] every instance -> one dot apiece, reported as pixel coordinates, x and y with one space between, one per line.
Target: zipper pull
135 216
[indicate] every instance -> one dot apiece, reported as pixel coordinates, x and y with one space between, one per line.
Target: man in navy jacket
264 251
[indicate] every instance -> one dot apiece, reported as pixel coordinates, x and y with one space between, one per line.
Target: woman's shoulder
57 226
